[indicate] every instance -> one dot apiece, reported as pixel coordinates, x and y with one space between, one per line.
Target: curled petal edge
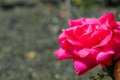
62 54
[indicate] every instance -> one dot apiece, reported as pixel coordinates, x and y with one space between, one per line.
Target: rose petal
105 57
84 65
82 53
91 20
70 33
109 20
117 56
117 35
106 16
71 37
105 40
81 21
64 43
62 54
106 63
118 23
77 22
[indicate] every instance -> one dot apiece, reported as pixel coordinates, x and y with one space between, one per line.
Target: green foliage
55 2
99 76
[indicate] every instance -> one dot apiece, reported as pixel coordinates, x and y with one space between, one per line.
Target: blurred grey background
28 32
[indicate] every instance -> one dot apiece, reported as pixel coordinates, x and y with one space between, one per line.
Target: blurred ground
28 32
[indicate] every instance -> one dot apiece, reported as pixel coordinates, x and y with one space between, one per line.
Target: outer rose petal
77 22
81 21
63 41
109 17
105 57
61 37
62 54
118 23
90 20
106 16
84 65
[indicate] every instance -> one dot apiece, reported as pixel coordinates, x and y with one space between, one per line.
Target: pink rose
90 42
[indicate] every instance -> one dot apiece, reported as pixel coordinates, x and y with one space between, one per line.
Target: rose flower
90 42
